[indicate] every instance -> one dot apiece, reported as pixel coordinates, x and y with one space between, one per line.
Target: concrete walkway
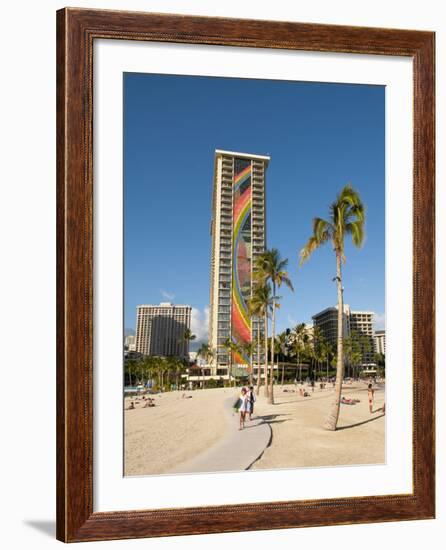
238 449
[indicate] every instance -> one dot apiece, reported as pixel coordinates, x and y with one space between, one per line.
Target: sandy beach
175 430
178 429
299 439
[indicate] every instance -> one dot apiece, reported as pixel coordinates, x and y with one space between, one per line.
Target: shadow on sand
360 423
271 418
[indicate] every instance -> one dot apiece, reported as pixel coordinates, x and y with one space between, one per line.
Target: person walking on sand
243 407
251 400
371 395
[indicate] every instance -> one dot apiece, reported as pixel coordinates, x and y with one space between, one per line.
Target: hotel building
327 322
359 322
380 341
160 329
238 234
130 342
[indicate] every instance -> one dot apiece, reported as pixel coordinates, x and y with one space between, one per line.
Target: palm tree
352 351
298 333
357 347
318 347
147 368
175 366
366 346
188 337
260 305
207 353
327 352
249 348
281 348
129 366
269 266
231 347
160 366
346 217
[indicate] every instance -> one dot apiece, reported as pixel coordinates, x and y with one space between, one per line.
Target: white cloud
379 321
199 324
168 295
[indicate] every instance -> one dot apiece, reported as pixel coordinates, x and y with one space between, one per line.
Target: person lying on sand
149 403
347 401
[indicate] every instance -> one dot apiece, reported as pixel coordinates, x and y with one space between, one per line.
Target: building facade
361 323
238 234
355 322
160 329
380 341
130 342
327 322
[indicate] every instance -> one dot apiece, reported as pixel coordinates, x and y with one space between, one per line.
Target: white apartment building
380 341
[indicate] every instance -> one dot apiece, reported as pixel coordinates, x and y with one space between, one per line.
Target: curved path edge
238 450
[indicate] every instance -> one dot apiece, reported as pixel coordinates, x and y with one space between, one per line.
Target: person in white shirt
244 407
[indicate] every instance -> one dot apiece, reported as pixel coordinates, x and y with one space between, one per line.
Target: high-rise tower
160 329
238 236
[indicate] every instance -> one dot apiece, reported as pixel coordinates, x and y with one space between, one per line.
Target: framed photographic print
245 275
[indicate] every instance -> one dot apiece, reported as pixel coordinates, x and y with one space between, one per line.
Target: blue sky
319 136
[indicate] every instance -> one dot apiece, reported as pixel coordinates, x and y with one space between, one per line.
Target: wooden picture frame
76 31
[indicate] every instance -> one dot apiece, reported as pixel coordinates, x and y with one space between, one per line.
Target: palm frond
284 279
356 230
321 230
261 300
308 249
350 197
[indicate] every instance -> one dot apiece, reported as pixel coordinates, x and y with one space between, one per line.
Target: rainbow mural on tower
241 258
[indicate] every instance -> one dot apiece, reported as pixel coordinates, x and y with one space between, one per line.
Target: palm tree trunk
332 419
251 361
273 336
258 356
283 372
230 365
266 355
